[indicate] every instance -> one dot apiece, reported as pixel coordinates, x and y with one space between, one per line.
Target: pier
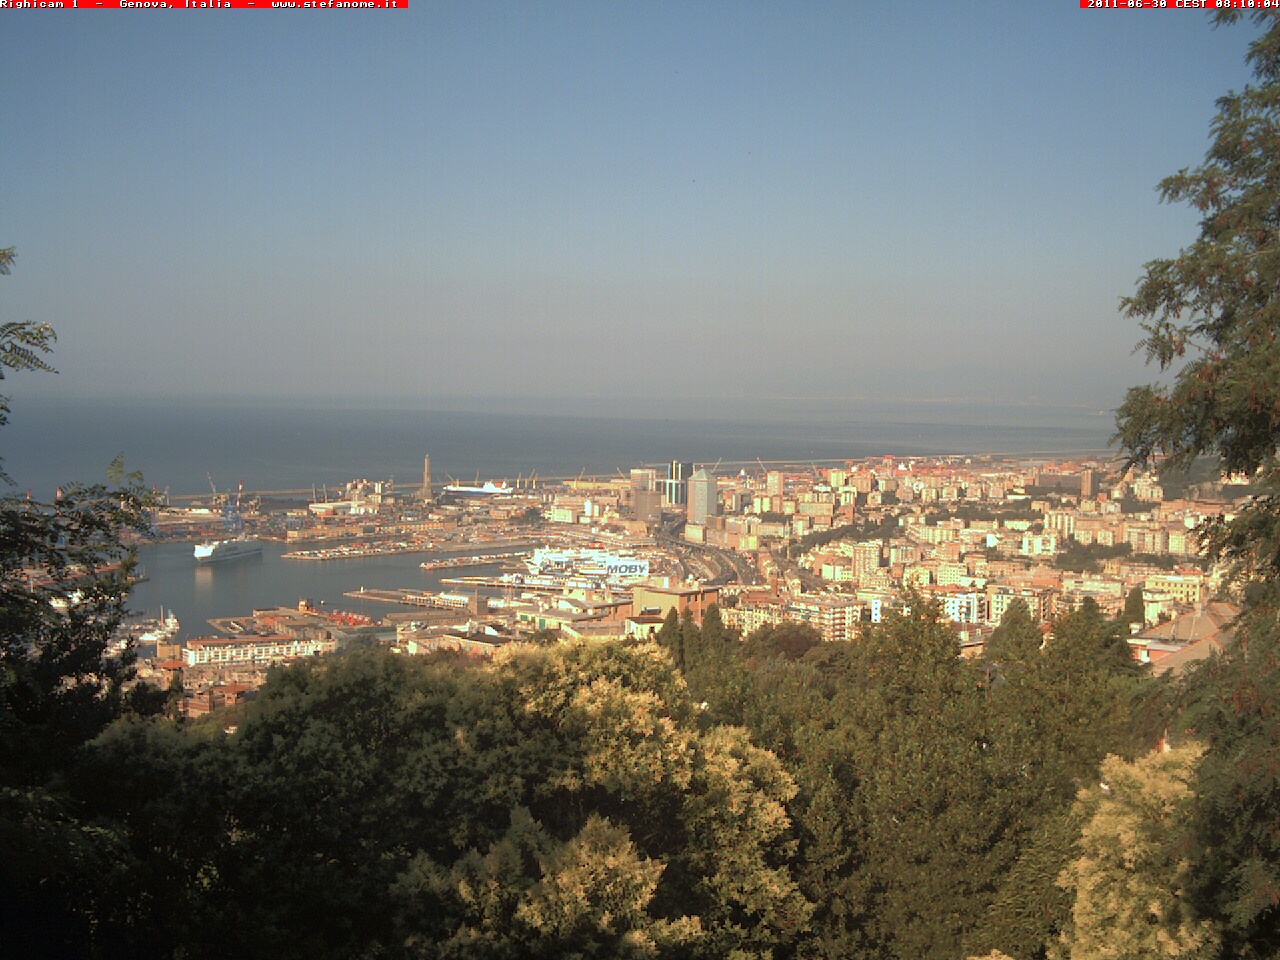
549 587
409 597
477 561
452 555
357 551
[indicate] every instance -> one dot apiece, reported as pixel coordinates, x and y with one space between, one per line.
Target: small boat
158 631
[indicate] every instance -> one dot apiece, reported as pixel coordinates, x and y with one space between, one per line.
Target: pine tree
1016 642
1134 608
691 652
1232 837
1055 713
671 637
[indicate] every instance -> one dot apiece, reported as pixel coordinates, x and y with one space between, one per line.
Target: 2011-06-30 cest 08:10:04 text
1180 4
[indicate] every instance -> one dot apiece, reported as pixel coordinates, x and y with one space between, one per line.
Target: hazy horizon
620 406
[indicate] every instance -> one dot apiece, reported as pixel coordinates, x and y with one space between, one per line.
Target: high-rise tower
426 478
675 488
1088 483
704 499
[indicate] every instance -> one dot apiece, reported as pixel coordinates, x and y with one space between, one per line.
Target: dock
358 551
483 560
549 588
496 549
408 597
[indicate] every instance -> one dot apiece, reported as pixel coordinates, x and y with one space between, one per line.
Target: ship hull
224 551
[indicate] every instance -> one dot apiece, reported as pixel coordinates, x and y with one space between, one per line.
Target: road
712 564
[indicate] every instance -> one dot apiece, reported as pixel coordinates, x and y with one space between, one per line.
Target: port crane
232 519
219 499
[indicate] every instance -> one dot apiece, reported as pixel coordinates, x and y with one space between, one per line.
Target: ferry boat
587 563
486 489
218 551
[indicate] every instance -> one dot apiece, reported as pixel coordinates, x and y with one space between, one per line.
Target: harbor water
197 592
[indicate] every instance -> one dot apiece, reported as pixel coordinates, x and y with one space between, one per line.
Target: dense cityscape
832 547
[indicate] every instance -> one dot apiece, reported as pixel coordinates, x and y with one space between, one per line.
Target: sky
608 207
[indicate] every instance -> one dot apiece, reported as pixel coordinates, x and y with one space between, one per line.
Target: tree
1067 706
530 895
926 816
160 789
1128 886
1134 607
63 583
1232 838
789 640
1029 910
556 801
1017 641
690 645
671 636
1054 713
22 345
715 638
1212 312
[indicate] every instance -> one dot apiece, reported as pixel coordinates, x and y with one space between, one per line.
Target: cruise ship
217 551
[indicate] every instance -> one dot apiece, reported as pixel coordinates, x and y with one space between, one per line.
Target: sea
185 447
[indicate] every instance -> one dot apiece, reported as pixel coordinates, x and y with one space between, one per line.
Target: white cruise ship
217 551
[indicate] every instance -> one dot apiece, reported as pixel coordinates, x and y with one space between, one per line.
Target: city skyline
643 208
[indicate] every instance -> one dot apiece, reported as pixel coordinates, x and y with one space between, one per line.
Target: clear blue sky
572 203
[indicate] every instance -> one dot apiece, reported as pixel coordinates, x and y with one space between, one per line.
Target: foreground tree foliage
1231 836
1061 702
875 799
1212 313
935 794
1128 888
557 801
62 593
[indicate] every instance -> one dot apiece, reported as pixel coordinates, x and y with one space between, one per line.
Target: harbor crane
219 499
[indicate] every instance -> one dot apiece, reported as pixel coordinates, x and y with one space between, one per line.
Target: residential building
219 651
